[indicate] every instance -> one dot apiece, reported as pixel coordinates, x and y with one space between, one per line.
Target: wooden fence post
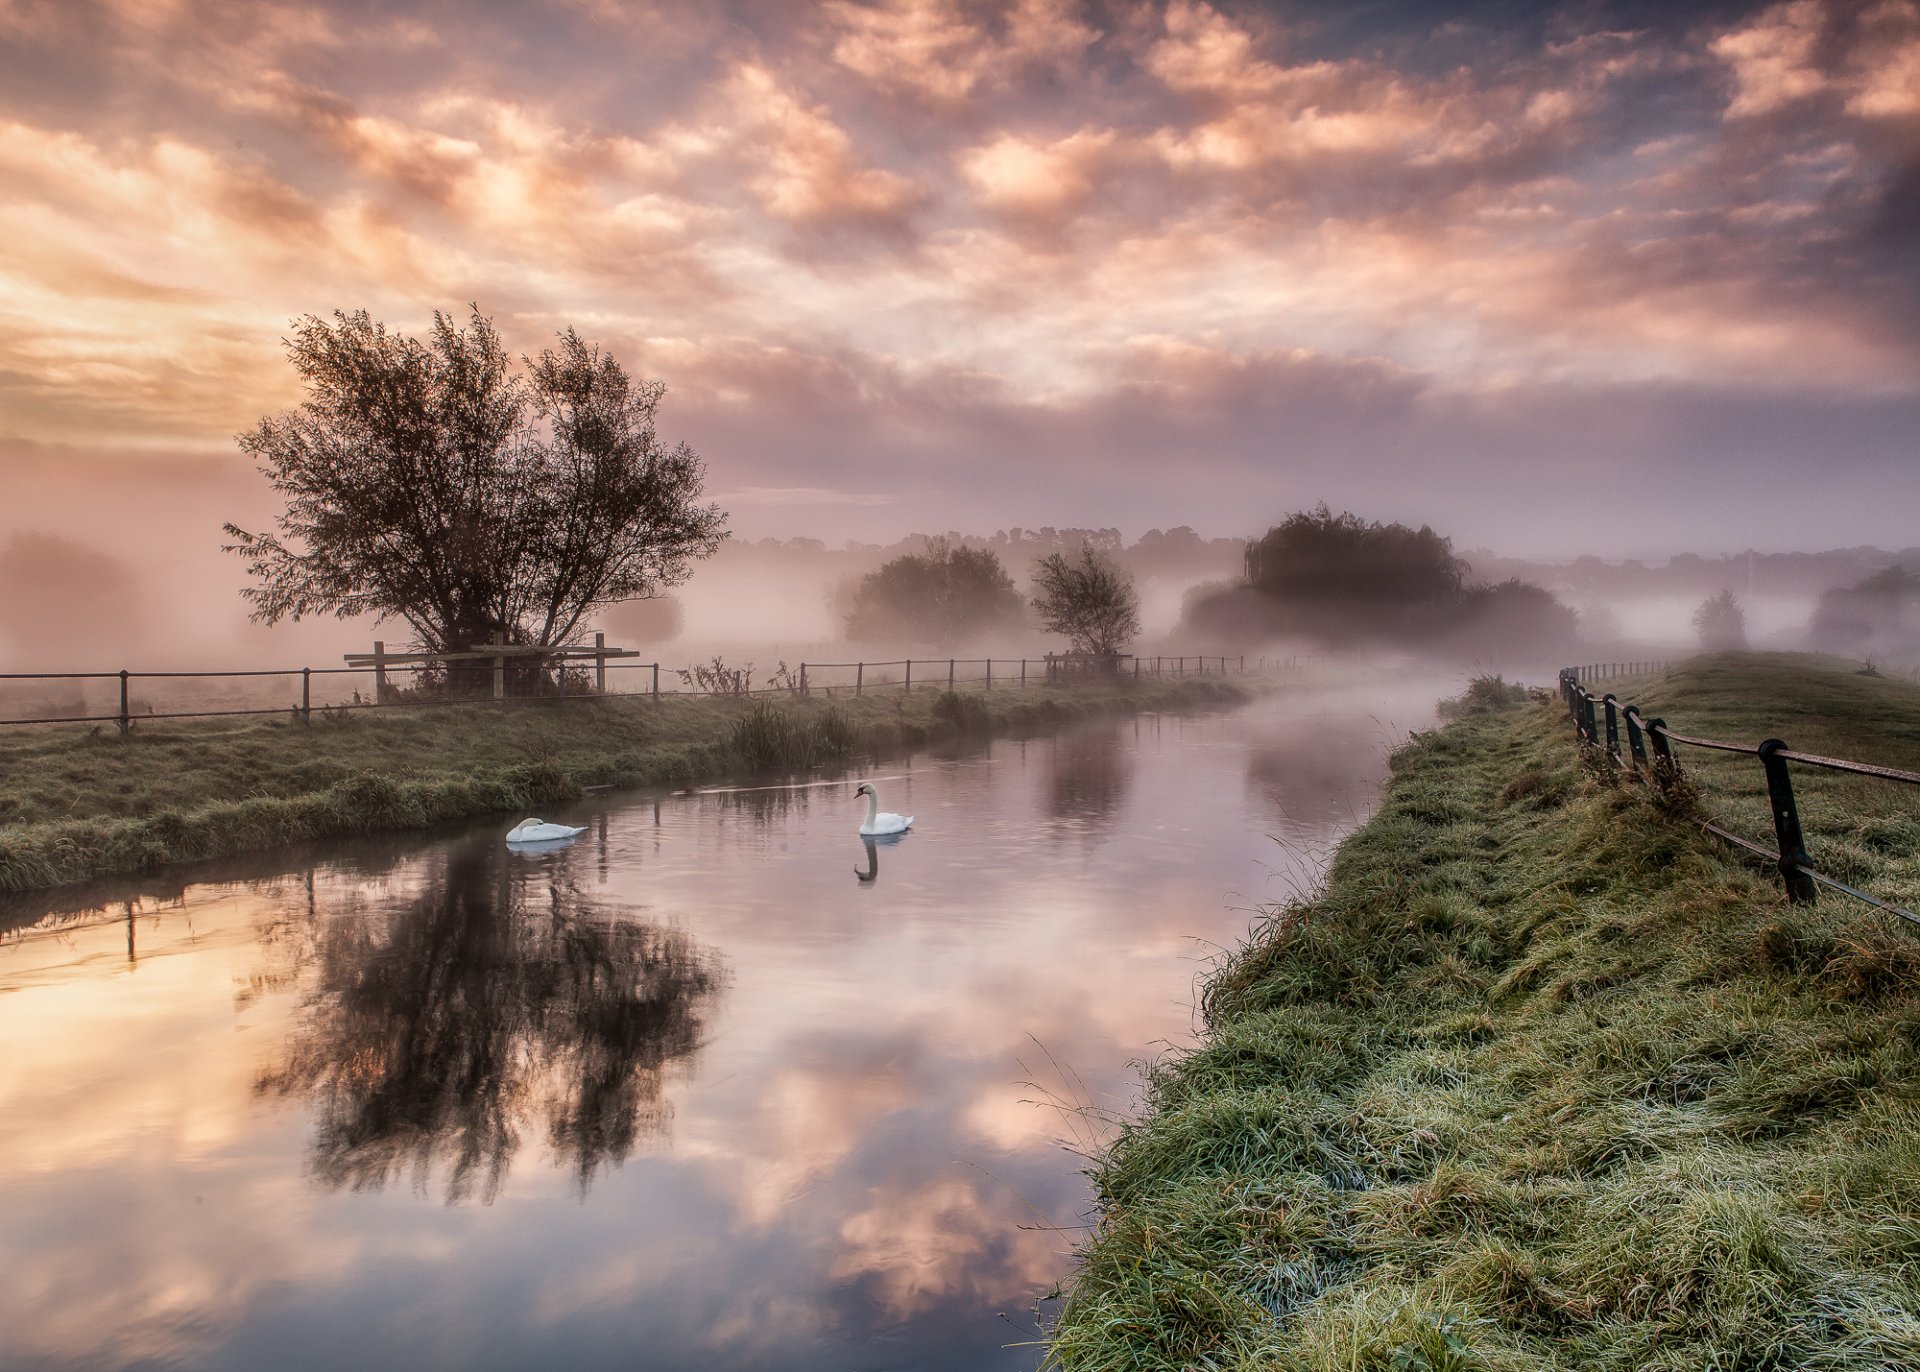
379 672
1786 823
803 678
499 668
656 681
989 674
909 676
949 675
859 677
600 663
124 724
306 694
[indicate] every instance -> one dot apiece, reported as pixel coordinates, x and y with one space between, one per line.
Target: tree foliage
431 482
1337 578
1320 556
1877 617
947 594
1721 623
1087 599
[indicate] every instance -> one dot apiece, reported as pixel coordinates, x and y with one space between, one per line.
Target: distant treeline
1176 552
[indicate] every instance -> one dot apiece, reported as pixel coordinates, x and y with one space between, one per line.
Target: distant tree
1087 599
1721 623
431 483
1339 578
1879 615
1515 616
947 594
1320 557
657 619
68 602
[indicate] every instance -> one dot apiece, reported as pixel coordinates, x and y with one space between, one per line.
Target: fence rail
1649 756
321 688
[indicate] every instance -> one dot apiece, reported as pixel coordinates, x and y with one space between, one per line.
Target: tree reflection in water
1317 771
494 1001
1091 772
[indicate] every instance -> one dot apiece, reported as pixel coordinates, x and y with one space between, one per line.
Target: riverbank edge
613 743
1541 1078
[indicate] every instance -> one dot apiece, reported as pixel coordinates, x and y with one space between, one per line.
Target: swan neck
873 807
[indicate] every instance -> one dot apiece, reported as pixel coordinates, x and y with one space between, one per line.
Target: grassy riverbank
78 802
1547 1078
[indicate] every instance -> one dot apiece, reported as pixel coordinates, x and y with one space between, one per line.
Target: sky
1614 277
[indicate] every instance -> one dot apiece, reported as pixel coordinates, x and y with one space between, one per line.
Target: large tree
948 594
1088 599
431 482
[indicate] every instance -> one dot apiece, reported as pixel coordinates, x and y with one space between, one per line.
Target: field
1545 1077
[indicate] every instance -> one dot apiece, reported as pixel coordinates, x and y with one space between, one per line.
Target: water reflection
873 844
1320 769
857 1175
1092 769
493 1000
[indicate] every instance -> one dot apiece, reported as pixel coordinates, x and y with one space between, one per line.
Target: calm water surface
715 1086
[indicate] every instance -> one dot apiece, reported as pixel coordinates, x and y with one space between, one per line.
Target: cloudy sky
1614 277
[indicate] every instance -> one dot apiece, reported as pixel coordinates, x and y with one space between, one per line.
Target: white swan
539 831
878 823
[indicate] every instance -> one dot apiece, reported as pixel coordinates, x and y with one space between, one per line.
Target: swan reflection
495 999
873 844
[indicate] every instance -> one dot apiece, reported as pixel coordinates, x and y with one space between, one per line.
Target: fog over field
1613 280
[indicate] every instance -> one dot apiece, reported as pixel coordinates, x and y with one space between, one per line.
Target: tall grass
1542 1078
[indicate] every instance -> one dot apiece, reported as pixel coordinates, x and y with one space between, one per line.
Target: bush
1484 695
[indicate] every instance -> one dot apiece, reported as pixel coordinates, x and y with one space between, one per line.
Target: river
714 1086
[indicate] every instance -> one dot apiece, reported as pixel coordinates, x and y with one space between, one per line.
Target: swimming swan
878 823
539 831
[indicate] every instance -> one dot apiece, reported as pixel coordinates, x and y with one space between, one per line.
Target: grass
79 802
1543 1078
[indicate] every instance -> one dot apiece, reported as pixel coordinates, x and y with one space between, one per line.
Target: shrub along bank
1543 1078
78 803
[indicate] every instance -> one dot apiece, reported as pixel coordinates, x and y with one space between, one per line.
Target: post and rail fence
488 670
1602 721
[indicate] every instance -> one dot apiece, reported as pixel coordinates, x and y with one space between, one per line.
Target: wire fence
125 698
1603 722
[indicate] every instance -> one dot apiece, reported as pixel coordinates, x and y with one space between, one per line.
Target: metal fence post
1786 823
124 724
306 694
